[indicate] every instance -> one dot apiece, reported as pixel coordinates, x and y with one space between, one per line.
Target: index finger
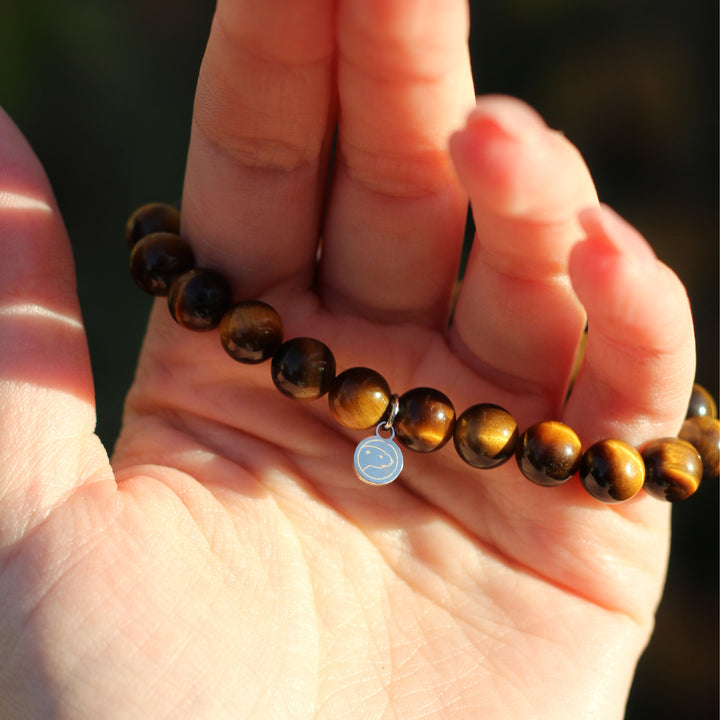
262 127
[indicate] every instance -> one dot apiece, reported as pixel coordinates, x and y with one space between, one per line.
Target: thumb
47 411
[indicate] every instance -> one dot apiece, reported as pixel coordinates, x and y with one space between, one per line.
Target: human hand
234 566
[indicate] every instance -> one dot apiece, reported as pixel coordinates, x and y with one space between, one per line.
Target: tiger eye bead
251 331
303 368
701 403
151 218
158 259
199 298
359 398
548 453
703 433
673 469
485 436
425 419
612 471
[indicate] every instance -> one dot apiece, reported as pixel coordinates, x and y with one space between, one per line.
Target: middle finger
396 213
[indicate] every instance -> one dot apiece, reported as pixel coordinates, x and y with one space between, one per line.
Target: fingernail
603 221
507 117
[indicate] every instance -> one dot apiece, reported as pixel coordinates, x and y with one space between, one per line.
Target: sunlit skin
227 563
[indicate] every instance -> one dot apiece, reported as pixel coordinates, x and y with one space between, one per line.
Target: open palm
228 563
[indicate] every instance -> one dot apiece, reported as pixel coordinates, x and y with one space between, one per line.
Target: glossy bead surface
158 259
151 218
485 436
548 453
359 398
703 433
425 420
303 368
251 331
612 471
701 403
199 298
673 469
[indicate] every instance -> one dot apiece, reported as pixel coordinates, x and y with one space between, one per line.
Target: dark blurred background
104 92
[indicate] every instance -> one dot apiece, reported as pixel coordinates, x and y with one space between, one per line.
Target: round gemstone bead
548 453
199 298
303 368
612 471
159 258
425 419
151 218
701 403
359 398
703 433
485 436
251 331
673 469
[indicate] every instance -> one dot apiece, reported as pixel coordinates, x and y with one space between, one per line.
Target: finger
640 358
396 214
47 414
261 127
517 319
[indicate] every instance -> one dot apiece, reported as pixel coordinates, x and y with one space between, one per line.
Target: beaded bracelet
422 419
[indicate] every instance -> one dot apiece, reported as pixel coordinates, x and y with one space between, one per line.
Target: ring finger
517 319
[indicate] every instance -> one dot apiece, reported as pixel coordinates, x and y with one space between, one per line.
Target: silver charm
378 460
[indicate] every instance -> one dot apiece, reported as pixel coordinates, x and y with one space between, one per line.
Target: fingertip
485 156
622 284
513 165
639 361
484 149
604 225
517 118
648 306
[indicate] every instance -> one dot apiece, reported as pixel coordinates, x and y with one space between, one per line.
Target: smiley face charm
378 461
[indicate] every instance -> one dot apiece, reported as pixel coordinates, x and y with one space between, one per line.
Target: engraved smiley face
377 461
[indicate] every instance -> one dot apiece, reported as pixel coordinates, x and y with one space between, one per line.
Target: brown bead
151 218
199 298
548 453
703 433
158 259
425 419
612 471
701 403
251 331
303 368
485 436
673 469
359 398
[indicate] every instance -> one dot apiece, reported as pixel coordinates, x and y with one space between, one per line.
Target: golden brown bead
612 471
359 398
251 331
548 453
673 469
199 298
151 218
303 368
701 403
485 436
425 419
703 433
158 259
